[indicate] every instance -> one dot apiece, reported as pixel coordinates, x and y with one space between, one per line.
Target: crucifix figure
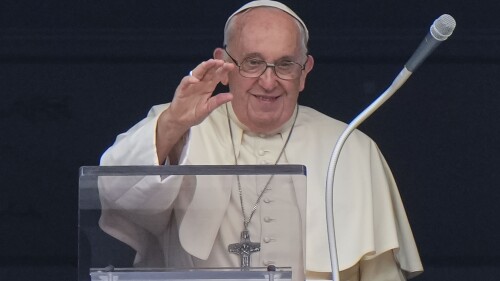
244 249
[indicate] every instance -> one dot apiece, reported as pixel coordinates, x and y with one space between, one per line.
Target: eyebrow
258 55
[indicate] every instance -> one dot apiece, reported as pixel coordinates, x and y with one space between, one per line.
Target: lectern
106 258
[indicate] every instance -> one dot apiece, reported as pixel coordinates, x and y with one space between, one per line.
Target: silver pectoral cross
244 249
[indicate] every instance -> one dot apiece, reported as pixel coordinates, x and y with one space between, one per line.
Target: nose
268 79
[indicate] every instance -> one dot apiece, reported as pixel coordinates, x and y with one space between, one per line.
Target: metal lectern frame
89 210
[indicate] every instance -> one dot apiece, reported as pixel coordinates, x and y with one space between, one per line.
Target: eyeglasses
253 67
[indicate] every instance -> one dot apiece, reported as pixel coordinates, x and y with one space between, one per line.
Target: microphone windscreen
443 27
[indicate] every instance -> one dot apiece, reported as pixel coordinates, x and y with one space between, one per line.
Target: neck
290 125
265 130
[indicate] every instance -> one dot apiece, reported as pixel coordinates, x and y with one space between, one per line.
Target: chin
265 125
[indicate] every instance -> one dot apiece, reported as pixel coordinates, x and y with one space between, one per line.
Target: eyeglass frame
272 65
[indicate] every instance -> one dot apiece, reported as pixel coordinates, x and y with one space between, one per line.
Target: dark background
74 74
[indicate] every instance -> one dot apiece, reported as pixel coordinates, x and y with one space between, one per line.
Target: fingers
204 78
211 70
193 99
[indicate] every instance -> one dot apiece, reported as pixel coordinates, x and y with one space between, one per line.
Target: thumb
218 100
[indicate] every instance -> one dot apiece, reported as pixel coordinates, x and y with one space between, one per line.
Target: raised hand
193 100
192 103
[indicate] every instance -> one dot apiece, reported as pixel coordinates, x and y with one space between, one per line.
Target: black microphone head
443 27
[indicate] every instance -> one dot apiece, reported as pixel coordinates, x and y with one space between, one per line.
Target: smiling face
265 103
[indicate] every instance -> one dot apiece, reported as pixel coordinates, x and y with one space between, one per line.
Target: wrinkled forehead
268 3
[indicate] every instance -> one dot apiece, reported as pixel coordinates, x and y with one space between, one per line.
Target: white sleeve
137 209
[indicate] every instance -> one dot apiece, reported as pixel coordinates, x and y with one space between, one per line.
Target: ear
309 66
219 54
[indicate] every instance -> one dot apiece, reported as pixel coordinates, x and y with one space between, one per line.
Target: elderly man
265 63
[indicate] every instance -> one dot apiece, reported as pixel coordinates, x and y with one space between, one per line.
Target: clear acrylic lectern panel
129 221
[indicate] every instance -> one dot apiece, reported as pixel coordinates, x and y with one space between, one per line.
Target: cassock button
267 239
267 219
261 152
267 200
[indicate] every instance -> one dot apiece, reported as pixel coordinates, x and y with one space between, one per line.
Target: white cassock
374 239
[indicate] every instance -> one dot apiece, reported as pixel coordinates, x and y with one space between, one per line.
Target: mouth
266 99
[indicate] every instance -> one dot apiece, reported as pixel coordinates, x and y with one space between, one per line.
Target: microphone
440 30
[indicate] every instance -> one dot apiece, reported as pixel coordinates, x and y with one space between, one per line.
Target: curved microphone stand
396 84
440 30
